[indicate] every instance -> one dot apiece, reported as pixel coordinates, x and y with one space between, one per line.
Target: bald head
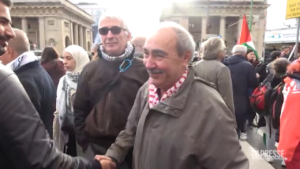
138 42
20 43
16 47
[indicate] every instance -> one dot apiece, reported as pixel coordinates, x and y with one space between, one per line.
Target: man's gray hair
212 47
239 49
185 41
201 49
113 15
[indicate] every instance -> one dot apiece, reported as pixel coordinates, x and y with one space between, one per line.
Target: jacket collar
174 105
27 66
23 59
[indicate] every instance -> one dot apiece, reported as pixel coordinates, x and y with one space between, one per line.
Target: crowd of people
236 78
138 103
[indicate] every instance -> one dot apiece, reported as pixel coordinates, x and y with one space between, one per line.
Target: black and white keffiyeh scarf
22 60
128 50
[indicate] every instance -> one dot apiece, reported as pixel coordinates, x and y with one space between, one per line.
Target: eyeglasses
114 30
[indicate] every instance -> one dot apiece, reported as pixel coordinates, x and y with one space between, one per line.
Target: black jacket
41 91
100 111
243 77
24 143
261 69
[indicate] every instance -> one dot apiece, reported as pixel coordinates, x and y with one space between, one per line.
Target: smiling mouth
3 43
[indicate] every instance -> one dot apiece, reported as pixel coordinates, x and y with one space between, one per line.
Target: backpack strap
101 92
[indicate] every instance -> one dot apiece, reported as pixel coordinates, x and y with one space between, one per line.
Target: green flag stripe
265 139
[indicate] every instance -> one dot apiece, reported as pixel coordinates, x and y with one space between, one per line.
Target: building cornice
213 10
78 11
51 11
73 17
197 3
35 11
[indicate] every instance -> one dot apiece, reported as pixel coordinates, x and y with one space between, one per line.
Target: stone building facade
57 23
221 18
96 11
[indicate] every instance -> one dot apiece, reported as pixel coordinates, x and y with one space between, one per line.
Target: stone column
184 21
81 36
24 25
261 34
222 27
84 38
71 33
76 36
91 37
204 26
60 37
42 36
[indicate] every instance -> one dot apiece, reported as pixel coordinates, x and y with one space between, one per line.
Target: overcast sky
140 15
276 15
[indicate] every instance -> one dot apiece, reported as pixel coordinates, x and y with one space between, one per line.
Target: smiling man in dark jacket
105 93
243 77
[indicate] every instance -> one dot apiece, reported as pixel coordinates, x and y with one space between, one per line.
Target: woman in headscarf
52 64
74 59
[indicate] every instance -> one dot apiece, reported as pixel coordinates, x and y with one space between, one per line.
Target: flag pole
251 13
297 38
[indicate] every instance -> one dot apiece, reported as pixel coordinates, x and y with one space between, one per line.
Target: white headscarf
80 56
81 59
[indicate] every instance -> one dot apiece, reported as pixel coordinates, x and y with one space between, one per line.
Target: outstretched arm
25 140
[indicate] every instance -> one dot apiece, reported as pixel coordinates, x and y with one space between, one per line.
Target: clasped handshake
106 162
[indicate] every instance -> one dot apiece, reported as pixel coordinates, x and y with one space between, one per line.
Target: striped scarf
128 50
153 96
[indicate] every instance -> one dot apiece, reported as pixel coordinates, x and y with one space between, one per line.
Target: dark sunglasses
114 30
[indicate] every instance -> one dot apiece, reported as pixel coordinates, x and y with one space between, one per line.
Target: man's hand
106 162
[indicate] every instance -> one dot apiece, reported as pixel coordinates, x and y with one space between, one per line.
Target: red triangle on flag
245 33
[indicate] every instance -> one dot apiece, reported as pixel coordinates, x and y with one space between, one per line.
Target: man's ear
10 52
128 34
187 57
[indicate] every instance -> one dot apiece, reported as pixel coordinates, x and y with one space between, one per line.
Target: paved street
255 142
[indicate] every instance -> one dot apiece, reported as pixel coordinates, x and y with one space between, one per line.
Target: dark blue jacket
41 91
243 78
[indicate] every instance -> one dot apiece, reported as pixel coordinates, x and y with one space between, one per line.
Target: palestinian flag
245 37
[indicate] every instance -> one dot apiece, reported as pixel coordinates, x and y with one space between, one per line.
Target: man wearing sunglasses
107 88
